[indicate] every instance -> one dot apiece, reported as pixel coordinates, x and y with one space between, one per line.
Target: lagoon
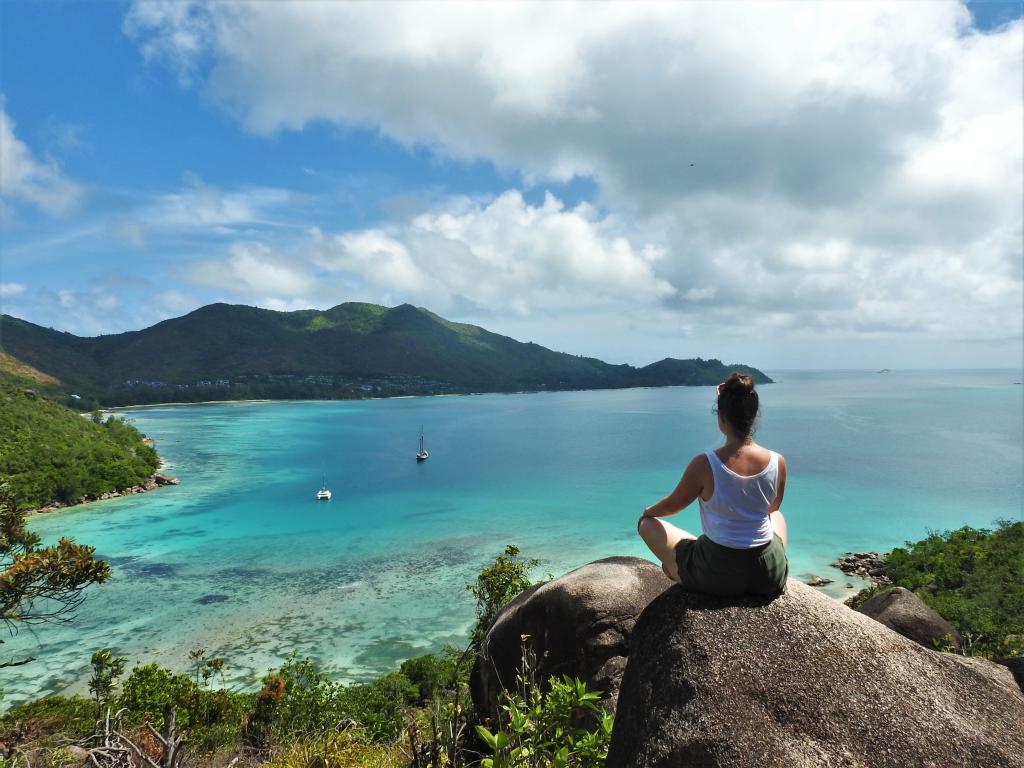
241 560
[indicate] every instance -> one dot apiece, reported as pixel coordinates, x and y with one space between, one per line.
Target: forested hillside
51 453
353 350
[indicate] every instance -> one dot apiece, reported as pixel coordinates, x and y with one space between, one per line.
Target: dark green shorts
705 566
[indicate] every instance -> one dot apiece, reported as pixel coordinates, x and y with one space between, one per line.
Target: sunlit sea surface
241 560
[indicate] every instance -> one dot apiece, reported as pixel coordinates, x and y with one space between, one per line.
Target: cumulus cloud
252 269
501 255
856 172
504 254
26 178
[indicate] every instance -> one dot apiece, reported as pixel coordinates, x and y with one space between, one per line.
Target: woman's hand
643 517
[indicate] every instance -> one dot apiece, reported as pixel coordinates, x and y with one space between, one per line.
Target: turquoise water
241 560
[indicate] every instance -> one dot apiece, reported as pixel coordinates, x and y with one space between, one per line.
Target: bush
208 719
495 586
73 716
539 730
432 674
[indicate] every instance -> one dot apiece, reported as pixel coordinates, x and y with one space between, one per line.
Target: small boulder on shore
802 680
902 611
161 479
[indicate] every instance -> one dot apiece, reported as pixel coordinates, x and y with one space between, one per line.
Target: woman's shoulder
701 462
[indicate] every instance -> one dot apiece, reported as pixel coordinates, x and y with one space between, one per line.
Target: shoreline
178 403
197 402
151 483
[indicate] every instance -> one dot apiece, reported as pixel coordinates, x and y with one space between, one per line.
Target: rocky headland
801 680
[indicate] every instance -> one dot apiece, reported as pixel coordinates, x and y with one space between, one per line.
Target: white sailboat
422 455
324 493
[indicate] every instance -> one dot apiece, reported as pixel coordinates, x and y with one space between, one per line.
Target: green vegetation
354 350
51 453
418 716
495 586
541 729
973 578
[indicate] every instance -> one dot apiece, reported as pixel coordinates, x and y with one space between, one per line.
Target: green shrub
209 719
149 689
378 707
538 729
74 716
496 585
431 674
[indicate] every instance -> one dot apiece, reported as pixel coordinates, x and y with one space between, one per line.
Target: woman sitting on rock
739 488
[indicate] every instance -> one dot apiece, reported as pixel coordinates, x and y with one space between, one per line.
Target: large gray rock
904 612
578 625
802 681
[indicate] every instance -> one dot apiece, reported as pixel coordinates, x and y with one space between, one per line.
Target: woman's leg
779 526
661 538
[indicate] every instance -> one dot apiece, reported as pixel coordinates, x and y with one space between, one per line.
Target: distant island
351 351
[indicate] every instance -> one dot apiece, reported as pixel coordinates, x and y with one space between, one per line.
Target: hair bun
738 403
738 384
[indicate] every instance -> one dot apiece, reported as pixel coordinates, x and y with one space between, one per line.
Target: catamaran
323 494
422 455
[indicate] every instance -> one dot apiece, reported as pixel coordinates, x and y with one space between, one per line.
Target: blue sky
790 185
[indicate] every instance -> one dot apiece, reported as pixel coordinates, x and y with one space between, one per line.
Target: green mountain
225 351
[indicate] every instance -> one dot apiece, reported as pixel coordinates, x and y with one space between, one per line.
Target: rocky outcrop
578 625
904 612
868 565
802 681
151 483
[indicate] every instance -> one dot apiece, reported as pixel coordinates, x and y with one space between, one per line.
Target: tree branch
16 663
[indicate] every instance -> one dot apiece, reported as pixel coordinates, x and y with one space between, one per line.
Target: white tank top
736 515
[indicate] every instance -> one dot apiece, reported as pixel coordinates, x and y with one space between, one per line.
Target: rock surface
904 612
578 624
802 681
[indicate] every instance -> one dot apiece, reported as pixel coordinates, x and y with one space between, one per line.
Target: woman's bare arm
695 478
777 504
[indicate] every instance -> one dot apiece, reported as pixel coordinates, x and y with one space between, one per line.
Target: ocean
242 561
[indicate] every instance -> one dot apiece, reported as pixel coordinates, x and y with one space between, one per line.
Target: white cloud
205 206
857 171
8 290
26 178
502 255
203 211
91 310
252 270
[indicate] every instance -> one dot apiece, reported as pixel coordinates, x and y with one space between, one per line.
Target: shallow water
241 560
